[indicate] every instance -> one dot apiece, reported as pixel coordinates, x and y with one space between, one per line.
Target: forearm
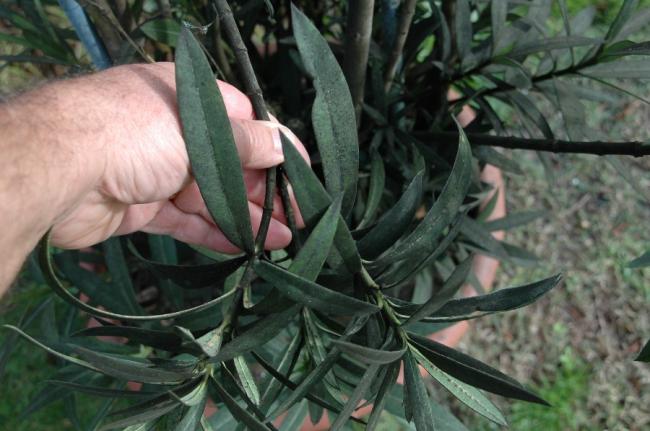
47 164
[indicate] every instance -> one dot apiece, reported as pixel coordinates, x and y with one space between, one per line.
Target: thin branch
407 10
600 148
357 46
257 99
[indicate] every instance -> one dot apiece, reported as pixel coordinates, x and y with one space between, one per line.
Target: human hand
144 180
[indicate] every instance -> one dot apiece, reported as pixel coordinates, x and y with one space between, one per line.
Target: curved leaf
333 114
210 143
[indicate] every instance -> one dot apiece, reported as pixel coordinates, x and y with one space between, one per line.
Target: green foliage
322 325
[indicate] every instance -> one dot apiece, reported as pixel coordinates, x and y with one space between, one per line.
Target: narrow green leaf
513 220
333 113
58 288
210 143
629 69
312 255
501 300
641 261
148 337
463 26
394 222
285 366
121 286
295 418
163 30
369 355
313 201
476 233
192 417
310 294
644 354
424 238
257 335
128 369
357 394
624 13
237 411
415 392
375 189
142 417
192 276
382 395
100 391
448 290
498 14
551 43
246 379
466 394
626 48
473 372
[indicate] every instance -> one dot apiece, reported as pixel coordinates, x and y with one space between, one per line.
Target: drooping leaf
295 418
644 354
237 411
333 114
357 394
313 201
641 261
551 43
424 237
468 395
416 398
500 300
382 395
210 143
99 390
629 69
121 285
375 190
311 257
284 367
463 27
472 371
58 288
513 220
392 224
247 380
163 30
192 276
148 337
142 417
448 290
369 355
258 334
192 417
310 294
624 13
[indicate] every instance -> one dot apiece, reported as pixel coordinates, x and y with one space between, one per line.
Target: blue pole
87 34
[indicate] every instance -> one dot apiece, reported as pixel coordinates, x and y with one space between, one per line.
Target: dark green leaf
56 285
284 367
392 225
477 234
148 337
310 294
192 417
127 368
625 12
471 371
448 290
369 355
313 201
501 300
551 43
641 261
192 276
121 286
163 30
493 157
99 390
467 394
210 143
498 13
257 335
237 411
295 418
416 398
312 255
630 69
333 113
382 395
424 238
513 220
357 394
142 417
375 190
463 26
644 354
246 378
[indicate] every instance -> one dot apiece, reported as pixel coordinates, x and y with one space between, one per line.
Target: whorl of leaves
325 325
